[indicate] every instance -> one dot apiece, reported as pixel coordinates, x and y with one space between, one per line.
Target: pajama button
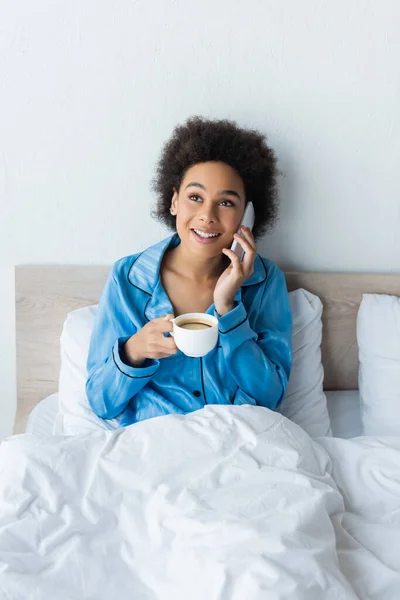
196 393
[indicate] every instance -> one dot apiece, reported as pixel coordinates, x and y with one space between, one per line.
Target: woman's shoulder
141 269
266 271
123 265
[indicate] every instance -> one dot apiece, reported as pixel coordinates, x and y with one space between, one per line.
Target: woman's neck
189 265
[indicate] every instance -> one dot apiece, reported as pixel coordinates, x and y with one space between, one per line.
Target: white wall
90 91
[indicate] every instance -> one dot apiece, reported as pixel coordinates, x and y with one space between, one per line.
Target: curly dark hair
245 150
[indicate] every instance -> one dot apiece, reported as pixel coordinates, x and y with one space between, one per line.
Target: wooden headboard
45 294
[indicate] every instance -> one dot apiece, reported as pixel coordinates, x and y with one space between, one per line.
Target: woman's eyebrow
201 186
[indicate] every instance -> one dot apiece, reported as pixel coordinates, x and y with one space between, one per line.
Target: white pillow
378 336
75 415
305 403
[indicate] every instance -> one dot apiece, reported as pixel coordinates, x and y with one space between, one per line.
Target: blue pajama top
249 365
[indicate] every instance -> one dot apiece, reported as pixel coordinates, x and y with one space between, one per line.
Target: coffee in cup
195 334
194 324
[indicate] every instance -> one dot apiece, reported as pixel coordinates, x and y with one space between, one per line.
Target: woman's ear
174 203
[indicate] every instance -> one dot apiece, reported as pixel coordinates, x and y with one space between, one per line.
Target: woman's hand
149 342
236 274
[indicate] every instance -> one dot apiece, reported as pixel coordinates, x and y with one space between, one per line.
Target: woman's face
211 200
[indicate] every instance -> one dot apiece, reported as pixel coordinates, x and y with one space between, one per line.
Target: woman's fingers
246 240
155 349
248 237
155 341
234 258
163 324
164 342
157 355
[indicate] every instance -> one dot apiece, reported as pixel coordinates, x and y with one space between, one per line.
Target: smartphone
247 221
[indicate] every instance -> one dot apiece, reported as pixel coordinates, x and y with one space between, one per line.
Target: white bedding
345 413
367 473
343 408
226 503
41 419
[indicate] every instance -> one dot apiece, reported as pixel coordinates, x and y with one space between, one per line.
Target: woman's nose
207 215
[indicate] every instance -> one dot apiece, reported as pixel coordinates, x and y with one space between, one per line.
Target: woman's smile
203 236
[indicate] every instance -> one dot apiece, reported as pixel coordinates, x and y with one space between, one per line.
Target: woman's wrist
129 354
224 308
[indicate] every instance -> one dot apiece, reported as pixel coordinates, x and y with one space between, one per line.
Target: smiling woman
206 222
206 174
244 150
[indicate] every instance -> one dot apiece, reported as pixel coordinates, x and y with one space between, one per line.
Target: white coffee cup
195 341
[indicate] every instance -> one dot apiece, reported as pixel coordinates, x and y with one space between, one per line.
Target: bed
45 294
343 408
225 503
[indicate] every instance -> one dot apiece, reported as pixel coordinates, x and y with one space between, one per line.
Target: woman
207 173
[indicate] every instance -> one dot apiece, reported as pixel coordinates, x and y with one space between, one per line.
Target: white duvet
227 503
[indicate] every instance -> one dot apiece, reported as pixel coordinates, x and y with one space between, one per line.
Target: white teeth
205 235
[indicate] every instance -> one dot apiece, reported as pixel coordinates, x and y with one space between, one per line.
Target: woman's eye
196 198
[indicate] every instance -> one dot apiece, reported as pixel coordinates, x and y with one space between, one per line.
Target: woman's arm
260 361
111 382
